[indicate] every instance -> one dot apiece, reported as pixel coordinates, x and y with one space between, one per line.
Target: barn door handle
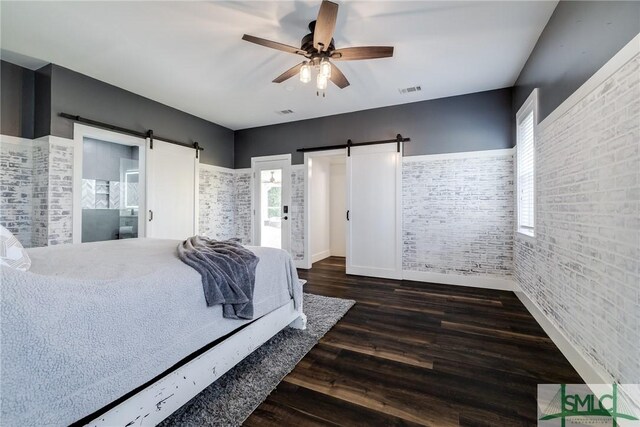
347 215
150 215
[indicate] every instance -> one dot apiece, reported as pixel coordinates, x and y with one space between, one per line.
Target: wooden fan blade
325 25
338 78
364 52
288 74
273 45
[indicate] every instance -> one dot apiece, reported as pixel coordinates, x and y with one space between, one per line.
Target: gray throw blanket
228 273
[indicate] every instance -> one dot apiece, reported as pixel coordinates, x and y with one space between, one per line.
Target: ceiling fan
318 49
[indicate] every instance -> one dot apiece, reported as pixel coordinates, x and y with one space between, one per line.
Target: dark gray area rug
233 397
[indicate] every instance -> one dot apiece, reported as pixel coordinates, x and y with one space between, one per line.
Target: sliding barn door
374 215
172 182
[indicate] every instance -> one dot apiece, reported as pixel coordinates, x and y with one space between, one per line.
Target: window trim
529 106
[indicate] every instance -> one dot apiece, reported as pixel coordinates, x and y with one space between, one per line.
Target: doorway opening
109 185
271 201
327 222
110 190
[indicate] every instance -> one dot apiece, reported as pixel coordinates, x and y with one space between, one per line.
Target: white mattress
89 323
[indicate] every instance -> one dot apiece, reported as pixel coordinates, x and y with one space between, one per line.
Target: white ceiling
190 55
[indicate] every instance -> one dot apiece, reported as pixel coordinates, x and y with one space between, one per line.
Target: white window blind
526 172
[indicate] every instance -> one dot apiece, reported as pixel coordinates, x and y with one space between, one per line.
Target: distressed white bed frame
155 403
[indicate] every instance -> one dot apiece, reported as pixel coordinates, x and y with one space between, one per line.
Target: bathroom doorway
110 186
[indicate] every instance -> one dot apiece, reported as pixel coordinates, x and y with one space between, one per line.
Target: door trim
81 131
255 161
307 261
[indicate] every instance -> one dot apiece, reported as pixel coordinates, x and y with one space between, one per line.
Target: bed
106 333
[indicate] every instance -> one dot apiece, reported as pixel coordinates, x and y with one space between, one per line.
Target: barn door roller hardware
398 139
148 134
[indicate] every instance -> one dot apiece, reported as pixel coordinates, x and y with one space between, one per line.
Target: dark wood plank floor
411 353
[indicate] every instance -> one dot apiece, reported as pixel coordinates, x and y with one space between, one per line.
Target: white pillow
12 254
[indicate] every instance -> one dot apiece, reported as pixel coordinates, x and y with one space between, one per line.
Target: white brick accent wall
243 207
36 191
16 189
60 204
40 195
582 268
217 202
458 215
297 212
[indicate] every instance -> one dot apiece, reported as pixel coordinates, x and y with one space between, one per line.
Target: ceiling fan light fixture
305 72
325 68
318 50
321 82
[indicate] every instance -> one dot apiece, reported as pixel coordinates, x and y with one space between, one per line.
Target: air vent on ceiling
283 112
411 89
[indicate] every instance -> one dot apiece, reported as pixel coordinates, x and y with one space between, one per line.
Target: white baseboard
589 373
486 282
320 256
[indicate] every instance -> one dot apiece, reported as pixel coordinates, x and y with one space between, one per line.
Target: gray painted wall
474 122
32 101
76 93
580 37
42 119
17 101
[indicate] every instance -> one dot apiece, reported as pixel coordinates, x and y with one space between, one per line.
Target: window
526 120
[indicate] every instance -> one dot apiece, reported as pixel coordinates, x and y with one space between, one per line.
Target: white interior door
172 183
272 202
374 211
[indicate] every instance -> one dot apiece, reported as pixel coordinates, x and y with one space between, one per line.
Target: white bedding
89 323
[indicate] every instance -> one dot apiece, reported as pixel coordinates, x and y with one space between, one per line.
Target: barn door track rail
398 139
140 134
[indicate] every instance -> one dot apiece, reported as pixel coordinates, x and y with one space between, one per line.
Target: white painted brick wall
582 268
16 189
458 214
40 195
37 192
217 203
297 212
243 207
60 204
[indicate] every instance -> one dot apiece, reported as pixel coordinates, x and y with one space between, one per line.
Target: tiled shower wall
458 214
582 268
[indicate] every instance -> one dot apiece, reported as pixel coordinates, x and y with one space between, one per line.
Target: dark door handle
150 215
347 215
286 218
